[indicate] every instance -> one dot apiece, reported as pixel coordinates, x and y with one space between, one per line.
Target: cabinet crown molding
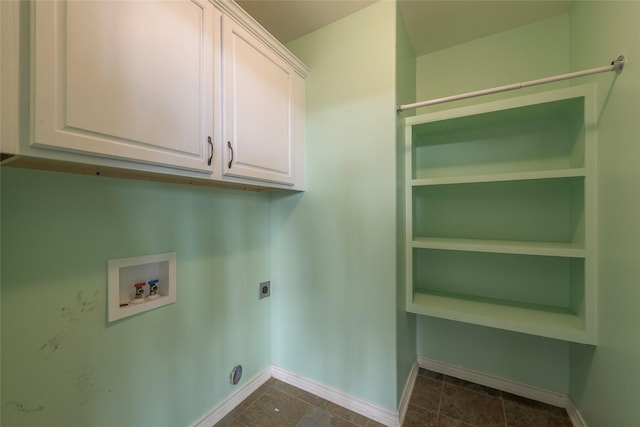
233 10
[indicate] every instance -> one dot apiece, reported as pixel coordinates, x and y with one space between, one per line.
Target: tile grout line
236 418
500 397
305 414
311 406
504 410
440 400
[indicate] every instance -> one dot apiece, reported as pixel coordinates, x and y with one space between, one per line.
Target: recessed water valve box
141 283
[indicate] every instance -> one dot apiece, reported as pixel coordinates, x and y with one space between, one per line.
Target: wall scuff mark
52 344
21 407
71 315
83 376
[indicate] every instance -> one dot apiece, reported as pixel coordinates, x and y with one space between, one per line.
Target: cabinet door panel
131 80
258 109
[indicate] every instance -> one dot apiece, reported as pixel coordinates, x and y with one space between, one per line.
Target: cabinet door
129 80
258 93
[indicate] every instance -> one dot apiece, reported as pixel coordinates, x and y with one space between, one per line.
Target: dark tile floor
277 404
437 401
443 401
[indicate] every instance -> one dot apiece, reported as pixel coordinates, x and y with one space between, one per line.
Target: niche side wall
405 93
334 260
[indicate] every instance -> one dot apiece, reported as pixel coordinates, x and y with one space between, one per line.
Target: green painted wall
529 52
525 53
334 257
334 253
605 380
405 92
62 363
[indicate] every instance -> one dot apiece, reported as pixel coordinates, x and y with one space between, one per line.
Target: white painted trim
513 387
383 415
357 405
221 410
238 14
147 267
403 405
574 414
11 30
525 390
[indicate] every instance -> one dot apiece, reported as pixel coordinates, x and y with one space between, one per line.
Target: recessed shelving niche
141 283
501 213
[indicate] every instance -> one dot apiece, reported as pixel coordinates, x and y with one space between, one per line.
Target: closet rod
616 65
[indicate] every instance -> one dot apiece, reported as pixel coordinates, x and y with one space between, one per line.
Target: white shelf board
548 98
570 250
515 176
536 320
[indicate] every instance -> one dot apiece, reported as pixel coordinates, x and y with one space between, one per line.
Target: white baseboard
227 405
525 390
357 405
382 415
574 415
403 405
520 389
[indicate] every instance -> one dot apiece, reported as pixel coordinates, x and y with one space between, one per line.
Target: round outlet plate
236 374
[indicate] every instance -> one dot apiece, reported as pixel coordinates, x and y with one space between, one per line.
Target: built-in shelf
571 250
516 176
500 214
539 320
547 210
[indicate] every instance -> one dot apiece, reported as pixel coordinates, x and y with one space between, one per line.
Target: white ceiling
431 25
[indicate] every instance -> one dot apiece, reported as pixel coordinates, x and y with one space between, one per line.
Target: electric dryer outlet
264 290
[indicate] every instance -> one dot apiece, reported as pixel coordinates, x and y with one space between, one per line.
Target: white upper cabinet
127 80
263 97
195 89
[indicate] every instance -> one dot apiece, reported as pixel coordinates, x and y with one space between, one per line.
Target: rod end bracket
618 64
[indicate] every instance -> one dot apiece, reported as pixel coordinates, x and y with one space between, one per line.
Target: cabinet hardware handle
231 149
211 152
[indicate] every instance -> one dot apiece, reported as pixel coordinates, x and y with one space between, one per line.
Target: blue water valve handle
153 288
